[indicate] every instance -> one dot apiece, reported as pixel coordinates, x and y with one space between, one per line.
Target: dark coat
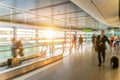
100 42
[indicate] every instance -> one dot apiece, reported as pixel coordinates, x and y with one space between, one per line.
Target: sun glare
49 34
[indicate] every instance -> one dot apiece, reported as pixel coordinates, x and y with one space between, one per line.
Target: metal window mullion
25 20
11 16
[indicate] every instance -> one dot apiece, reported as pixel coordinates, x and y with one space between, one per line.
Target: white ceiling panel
105 11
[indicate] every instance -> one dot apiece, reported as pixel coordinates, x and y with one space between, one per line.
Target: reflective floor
81 65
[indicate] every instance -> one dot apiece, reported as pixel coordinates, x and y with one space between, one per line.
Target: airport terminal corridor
81 65
58 39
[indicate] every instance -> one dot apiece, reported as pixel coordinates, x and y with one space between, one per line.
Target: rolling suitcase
114 62
12 62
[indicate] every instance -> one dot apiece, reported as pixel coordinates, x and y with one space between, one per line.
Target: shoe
99 65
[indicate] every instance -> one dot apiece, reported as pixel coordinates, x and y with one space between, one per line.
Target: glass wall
28 38
51 41
6 34
87 36
36 41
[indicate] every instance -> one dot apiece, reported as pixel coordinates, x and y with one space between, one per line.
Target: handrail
23 48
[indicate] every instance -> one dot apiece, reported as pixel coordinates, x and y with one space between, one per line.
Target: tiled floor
81 65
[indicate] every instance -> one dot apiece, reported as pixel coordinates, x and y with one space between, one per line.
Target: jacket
100 42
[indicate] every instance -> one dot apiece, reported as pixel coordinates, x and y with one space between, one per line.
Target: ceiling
105 11
63 13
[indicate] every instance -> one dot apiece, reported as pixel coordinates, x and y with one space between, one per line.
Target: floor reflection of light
73 50
66 52
48 55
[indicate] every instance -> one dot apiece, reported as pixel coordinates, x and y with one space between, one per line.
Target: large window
6 34
28 35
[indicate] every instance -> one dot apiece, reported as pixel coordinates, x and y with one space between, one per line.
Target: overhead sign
87 30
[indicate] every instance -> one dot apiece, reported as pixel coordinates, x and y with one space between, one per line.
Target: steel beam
53 5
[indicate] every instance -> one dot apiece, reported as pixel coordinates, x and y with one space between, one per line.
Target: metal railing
30 49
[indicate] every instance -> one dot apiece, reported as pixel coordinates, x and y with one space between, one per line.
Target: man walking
101 47
93 40
80 41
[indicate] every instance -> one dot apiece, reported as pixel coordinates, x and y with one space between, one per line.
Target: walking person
73 41
112 39
14 48
93 40
80 41
20 48
101 47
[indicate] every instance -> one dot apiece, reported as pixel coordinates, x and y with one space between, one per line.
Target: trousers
101 56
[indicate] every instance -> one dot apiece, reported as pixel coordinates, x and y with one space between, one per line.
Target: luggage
114 62
12 62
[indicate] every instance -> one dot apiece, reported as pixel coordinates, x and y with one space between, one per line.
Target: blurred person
115 37
101 47
14 47
93 40
74 40
95 44
112 39
80 41
20 48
